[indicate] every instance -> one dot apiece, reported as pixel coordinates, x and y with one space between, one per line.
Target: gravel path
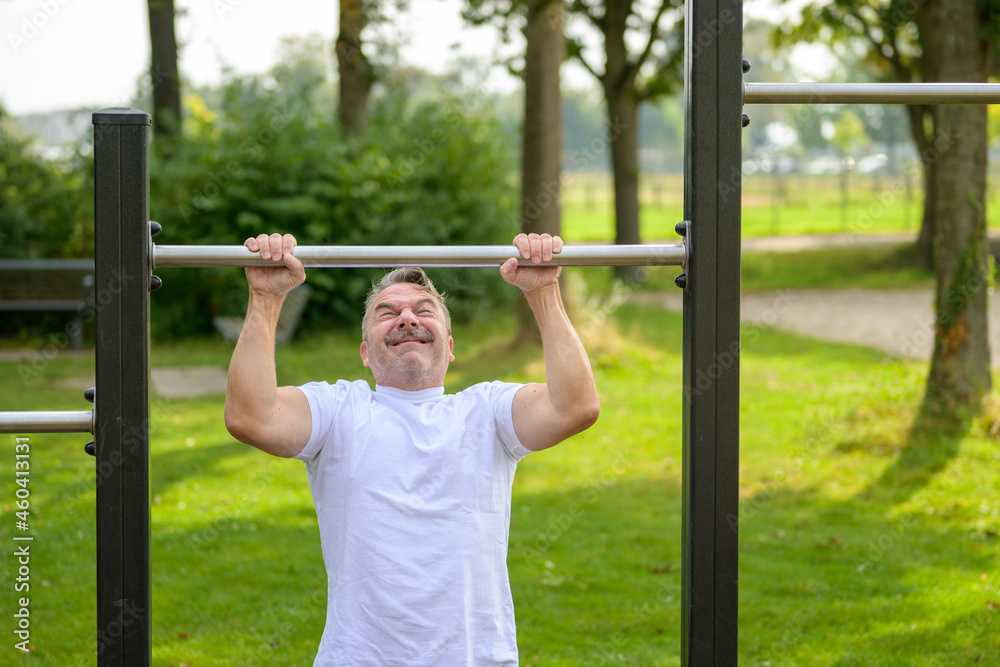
900 322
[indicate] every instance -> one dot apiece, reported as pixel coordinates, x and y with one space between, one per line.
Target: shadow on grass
932 443
594 568
836 582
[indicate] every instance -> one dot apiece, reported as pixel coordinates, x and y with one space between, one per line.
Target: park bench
291 311
48 285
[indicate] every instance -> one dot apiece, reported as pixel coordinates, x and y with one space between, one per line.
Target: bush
46 206
46 211
273 159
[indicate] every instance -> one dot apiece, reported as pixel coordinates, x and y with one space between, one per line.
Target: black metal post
121 302
712 186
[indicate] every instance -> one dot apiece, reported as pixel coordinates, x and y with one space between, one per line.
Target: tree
163 71
935 41
960 365
542 133
899 36
541 162
626 82
356 71
542 138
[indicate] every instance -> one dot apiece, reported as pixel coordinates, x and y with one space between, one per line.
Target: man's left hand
536 249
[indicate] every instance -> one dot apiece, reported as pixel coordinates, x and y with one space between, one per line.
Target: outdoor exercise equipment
125 257
393 256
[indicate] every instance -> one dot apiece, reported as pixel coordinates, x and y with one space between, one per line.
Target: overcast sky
58 54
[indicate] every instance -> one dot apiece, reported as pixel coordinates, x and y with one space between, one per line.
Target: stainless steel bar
871 93
391 256
47 421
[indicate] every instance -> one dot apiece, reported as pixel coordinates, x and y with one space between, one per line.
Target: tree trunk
622 130
622 116
356 73
928 225
541 155
163 72
923 128
960 366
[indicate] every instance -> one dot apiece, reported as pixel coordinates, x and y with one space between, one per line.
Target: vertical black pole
712 185
121 302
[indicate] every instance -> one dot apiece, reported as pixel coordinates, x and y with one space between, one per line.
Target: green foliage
848 133
44 204
271 159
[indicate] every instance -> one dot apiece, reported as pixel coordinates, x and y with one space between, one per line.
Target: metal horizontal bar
42 421
871 93
393 256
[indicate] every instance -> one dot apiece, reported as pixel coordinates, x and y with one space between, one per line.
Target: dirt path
900 322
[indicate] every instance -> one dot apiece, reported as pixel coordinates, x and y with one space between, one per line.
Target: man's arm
546 414
274 419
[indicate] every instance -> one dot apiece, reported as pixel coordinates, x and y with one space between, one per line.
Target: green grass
862 542
865 267
800 204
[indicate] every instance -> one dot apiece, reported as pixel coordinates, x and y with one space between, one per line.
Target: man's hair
407 274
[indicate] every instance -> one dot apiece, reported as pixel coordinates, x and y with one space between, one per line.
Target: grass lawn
874 267
798 204
863 541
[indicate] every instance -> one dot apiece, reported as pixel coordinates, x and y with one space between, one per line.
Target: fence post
712 186
121 433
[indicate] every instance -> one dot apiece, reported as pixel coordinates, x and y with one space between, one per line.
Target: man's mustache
400 334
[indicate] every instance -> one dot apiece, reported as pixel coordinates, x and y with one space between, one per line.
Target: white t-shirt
412 491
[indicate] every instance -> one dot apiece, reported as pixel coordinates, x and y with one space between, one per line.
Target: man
411 485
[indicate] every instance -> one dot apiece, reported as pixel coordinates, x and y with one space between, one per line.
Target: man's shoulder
338 389
489 390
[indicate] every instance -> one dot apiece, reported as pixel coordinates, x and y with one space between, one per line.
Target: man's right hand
268 281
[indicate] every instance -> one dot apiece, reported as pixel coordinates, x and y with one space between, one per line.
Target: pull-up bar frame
125 257
47 421
871 93
392 256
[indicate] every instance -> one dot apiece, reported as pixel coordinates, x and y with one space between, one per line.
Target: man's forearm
568 374
251 391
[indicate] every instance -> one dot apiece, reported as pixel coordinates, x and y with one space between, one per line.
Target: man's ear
364 353
451 349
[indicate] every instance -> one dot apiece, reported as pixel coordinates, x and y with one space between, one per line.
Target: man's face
407 344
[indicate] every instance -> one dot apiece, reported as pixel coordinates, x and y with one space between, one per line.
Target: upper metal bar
392 256
871 93
47 421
